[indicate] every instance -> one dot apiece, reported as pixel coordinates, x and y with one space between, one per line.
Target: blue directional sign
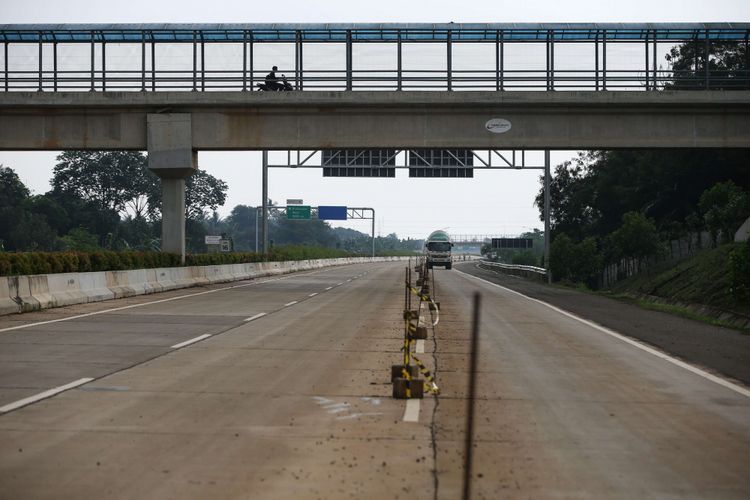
332 213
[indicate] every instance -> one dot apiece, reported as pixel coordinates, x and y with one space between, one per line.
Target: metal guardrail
532 269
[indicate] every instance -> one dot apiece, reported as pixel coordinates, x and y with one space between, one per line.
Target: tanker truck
437 248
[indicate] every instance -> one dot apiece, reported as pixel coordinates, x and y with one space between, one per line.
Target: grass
681 311
702 279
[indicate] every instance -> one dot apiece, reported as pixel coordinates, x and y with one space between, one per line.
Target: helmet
275 68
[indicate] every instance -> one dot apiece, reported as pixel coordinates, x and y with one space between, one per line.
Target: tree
636 238
203 191
725 206
116 180
572 208
12 191
576 262
240 224
726 60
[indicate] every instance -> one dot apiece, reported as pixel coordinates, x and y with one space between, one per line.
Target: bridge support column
172 158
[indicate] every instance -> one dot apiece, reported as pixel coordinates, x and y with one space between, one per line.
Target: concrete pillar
171 157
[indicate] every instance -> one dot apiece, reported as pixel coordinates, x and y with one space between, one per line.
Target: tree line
110 200
611 205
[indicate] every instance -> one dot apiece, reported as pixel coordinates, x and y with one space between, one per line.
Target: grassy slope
703 279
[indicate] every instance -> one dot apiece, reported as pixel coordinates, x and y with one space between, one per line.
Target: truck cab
437 248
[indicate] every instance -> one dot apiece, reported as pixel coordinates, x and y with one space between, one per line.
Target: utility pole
264 204
373 232
547 235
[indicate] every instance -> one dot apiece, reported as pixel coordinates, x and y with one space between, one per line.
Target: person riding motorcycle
272 82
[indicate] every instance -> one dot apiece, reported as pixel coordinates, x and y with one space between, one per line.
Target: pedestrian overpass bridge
173 90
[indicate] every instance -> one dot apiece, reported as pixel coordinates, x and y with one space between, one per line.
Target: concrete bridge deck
319 120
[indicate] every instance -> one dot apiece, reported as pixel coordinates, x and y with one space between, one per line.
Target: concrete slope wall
31 293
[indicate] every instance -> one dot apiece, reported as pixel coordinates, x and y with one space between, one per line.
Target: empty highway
279 388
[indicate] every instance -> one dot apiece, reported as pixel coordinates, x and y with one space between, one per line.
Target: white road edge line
290 303
252 318
313 294
411 413
339 284
701 373
95 313
420 346
191 341
43 395
328 288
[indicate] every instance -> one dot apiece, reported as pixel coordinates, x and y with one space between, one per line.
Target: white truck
437 248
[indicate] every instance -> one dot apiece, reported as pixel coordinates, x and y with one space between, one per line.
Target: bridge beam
171 156
320 120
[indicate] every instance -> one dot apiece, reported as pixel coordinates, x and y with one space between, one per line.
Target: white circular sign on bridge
498 125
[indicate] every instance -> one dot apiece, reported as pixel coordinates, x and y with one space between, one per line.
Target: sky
493 202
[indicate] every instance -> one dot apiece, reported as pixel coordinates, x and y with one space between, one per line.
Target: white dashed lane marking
191 341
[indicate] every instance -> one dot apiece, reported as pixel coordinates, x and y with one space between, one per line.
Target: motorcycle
284 86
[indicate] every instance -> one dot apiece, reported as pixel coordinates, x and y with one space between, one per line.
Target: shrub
739 273
575 262
104 260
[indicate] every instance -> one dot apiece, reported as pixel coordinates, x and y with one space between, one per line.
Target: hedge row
12 264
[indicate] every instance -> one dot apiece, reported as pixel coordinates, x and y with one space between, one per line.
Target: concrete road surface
280 389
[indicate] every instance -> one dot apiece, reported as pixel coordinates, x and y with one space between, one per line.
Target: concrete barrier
7 303
42 291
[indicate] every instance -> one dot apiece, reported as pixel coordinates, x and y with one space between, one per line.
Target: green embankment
701 280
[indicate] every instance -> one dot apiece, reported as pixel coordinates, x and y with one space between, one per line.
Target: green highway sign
298 212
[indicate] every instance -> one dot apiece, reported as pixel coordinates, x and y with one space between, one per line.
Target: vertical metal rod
264 214
373 232
203 64
696 63
473 362
747 59
502 60
449 60
604 60
647 63
143 61
251 50
93 61
348 60
256 229
552 61
497 61
655 78
547 57
301 64
104 65
41 47
153 65
596 62
54 66
5 65
708 56
244 60
398 62
296 60
195 61
547 235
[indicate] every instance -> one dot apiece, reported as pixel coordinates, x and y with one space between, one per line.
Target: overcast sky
498 202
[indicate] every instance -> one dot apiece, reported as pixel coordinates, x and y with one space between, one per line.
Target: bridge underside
319 120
